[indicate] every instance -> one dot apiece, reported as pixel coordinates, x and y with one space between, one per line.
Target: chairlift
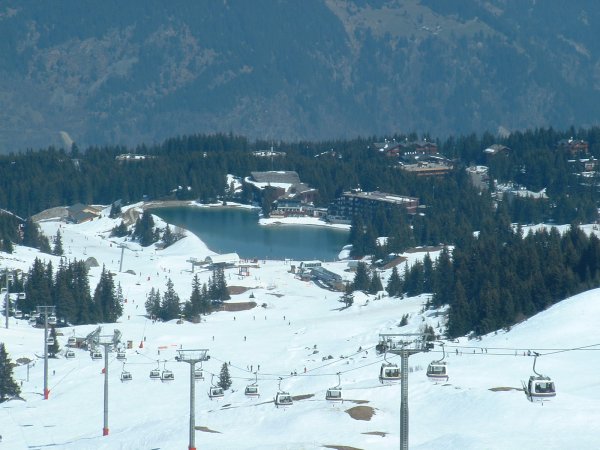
438 370
215 391
334 394
18 314
96 354
282 398
540 387
252 389
21 296
52 320
155 373
32 321
49 340
198 374
125 375
69 354
389 371
72 341
166 375
121 356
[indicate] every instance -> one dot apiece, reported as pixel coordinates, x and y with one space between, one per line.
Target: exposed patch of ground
236 290
504 389
376 433
206 430
241 306
361 412
395 262
276 295
341 447
302 397
358 402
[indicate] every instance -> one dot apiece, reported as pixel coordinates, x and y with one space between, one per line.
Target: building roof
226 258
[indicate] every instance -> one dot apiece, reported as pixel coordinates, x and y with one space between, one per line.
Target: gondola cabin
198 375
121 356
126 376
437 371
71 341
51 320
167 375
95 354
252 391
215 392
334 395
283 399
155 374
389 372
70 354
50 340
540 387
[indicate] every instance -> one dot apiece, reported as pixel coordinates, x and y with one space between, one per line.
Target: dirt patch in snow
302 397
206 430
341 447
361 412
241 306
376 433
504 389
236 290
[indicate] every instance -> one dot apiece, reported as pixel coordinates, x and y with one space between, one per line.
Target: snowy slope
299 327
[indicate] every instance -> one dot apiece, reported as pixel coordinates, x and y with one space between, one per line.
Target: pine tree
224 378
394 285
58 247
169 307
153 303
347 299
8 387
375 285
361 280
144 230
105 299
115 211
168 237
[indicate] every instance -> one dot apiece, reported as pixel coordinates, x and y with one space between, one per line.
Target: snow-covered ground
298 329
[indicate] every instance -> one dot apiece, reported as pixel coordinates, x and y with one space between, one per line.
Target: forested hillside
110 72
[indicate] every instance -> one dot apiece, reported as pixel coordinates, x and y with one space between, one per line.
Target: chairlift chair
121 356
215 391
125 375
252 389
18 314
283 398
334 394
52 320
388 371
166 375
32 321
540 387
96 354
49 340
155 373
198 374
438 370
71 341
69 354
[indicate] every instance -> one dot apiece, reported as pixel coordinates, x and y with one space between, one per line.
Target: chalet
79 213
285 183
429 167
573 146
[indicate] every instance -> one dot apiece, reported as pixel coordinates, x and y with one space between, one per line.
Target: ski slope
299 328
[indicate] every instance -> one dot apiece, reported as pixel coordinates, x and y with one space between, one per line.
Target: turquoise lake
228 230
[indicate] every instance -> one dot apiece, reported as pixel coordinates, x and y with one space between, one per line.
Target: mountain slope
143 71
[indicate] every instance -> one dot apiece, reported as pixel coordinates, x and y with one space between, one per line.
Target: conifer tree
375 285
169 307
105 299
224 378
58 247
153 303
168 237
361 280
394 285
8 386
